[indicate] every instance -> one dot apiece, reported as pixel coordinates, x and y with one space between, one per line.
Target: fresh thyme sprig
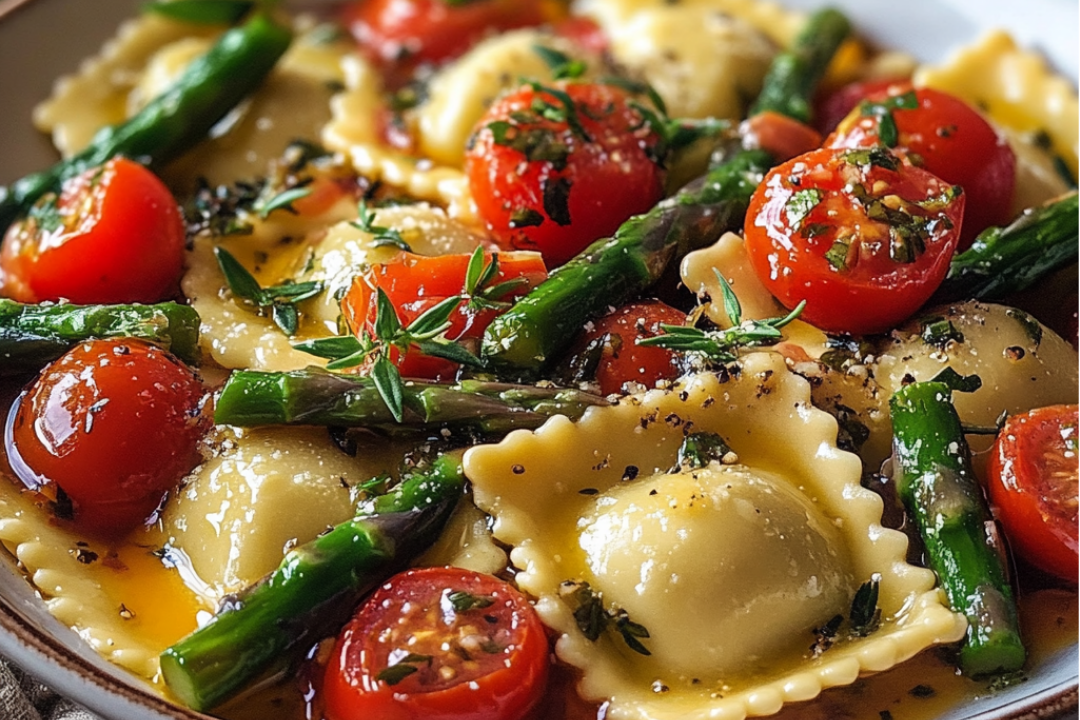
722 346
280 300
479 275
384 236
425 334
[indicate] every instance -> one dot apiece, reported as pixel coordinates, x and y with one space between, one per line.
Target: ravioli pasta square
729 569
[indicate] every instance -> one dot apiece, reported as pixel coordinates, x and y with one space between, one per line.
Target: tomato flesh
862 237
114 235
623 365
416 283
1033 486
947 137
541 184
401 35
111 426
439 644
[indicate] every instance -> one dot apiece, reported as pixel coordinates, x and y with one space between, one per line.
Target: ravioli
728 568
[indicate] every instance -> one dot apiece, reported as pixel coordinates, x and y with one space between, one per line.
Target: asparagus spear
175 120
1010 259
33 335
794 74
540 327
941 493
313 591
317 397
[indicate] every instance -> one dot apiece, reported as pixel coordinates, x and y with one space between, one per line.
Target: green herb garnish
280 300
383 236
403 668
463 601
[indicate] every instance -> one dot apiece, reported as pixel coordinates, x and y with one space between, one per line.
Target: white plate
43 39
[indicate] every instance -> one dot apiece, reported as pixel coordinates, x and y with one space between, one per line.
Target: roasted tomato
1033 487
106 431
439 644
946 136
862 237
557 168
114 235
416 283
401 35
609 352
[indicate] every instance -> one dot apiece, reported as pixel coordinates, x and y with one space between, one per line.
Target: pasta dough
576 501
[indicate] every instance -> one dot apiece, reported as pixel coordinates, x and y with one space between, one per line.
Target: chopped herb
557 199
402 669
853 433
922 691
865 613
1030 325
825 636
563 67
46 214
800 204
463 601
939 332
812 230
566 111
526 217
876 156
888 133
838 254
593 619
280 300
538 144
956 381
700 449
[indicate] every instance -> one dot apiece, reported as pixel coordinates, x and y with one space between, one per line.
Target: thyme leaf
463 601
280 300
383 236
593 619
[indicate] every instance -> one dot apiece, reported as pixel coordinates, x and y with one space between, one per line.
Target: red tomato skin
832 107
113 424
875 292
416 283
623 361
606 178
401 35
781 136
947 137
352 690
121 240
1040 530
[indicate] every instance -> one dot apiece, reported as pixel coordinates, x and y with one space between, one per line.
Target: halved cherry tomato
554 174
401 35
416 283
106 431
862 237
114 235
783 137
946 136
439 644
622 364
1033 487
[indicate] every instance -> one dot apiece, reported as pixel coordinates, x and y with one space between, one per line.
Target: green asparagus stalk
940 492
174 121
316 397
540 327
314 590
795 73
1007 260
33 335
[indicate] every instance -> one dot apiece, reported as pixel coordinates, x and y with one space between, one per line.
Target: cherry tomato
783 137
106 431
832 107
114 235
622 363
401 35
584 33
439 644
415 284
945 136
1033 486
862 237
551 178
